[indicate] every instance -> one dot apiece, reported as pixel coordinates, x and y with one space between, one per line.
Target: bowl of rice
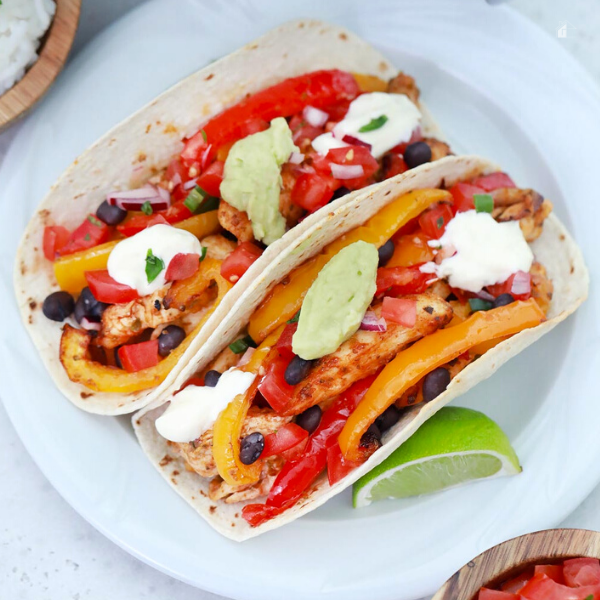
35 39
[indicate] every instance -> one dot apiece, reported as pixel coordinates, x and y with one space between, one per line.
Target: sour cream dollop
487 252
195 409
127 261
403 117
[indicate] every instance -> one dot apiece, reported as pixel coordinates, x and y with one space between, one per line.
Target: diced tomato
350 155
55 238
416 136
463 196
92 232
433 221
393 164
239 261
285 438
555 572
402 280
410 227
338 466
210 180
581 571
541 587
274 388
313 191
492 182
284 99
105 289
284 343
507 288
516 583
302 131
182 266
400 310
135 357
174 214
176 172
337 111
487 594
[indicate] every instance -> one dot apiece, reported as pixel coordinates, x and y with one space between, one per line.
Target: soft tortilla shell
555 249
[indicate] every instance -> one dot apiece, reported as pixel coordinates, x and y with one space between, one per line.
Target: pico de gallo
571 579
381 320
247 176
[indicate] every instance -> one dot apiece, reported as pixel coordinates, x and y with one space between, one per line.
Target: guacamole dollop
337 301
252 178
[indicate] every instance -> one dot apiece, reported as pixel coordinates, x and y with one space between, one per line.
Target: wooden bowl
507 560
52 54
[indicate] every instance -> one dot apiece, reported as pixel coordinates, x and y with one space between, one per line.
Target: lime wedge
455 446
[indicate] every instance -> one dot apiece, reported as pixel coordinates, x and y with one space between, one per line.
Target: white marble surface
47 551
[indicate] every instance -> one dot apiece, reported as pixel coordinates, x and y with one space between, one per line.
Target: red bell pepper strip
338 466
402 280
135 357
105 289
274 388
284 343
284 99
285 438
92 232
297 475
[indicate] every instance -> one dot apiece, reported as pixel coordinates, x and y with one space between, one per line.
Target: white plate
499 87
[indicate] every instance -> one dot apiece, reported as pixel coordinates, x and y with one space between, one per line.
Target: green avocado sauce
337 301
252 178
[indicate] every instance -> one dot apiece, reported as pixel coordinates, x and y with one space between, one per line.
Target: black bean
58 306
435 383
388 419
297 370
310 418
170 337
117 358
212 378
341 191
88 306
385 252
417 154
111 215
251 447
503 300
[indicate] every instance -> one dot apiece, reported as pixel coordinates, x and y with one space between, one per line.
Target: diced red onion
89 325
485 296
188 185
296 158
521 284
205 157
246 357
159 198
371 322
176 179
347 171
315 116
305 169
354 141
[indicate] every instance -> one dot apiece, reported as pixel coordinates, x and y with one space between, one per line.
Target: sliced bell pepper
285 438
70 270
273 386
228 426
411 249
283 99
75 355
427 354
286 298
370 83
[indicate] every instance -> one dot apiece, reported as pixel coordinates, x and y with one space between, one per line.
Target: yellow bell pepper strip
286 298
70 270
370 83
75 356
410 250
228 426
427 354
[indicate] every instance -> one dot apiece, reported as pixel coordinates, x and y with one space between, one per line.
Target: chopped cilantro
154 265
146 208
374 124
95 221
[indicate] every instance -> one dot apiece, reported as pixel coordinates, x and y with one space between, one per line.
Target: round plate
499 87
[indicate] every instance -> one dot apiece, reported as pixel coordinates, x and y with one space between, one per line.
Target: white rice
22 24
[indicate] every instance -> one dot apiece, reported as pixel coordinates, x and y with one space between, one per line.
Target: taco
141 247
395 303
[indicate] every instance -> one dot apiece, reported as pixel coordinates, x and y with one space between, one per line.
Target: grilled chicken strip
404 84
121 322
365 353
198 453
235 221
541 287
523 205
218 247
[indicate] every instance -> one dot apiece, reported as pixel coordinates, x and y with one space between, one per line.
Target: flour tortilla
146 142
555 249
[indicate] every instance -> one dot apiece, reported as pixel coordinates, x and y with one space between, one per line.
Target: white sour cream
487 252
195 409
403 117
127 261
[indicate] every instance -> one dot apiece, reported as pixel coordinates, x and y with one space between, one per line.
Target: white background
47 551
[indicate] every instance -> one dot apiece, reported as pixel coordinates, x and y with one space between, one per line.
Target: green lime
455 446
